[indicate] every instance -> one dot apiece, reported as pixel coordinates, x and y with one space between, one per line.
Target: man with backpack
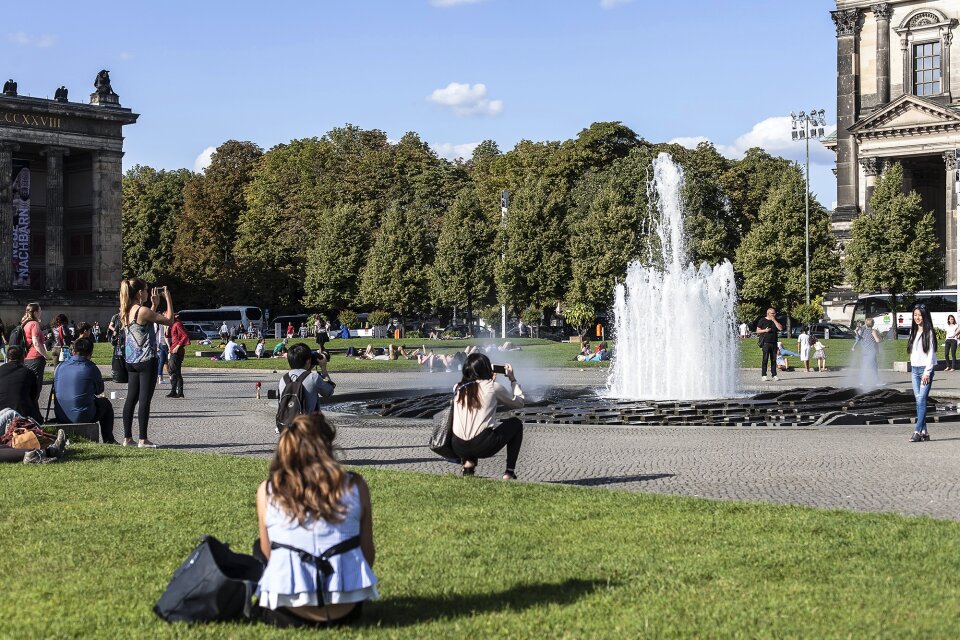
301 388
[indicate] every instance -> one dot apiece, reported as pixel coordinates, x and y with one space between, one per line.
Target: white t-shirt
230 352
468 424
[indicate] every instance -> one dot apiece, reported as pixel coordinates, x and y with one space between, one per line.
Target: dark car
194 332
819 331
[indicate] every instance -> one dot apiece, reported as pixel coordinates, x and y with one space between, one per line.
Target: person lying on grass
310 503
36 454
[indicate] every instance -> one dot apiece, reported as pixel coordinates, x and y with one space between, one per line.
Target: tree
894 247
462 271
152 203
207 230
771 257
333 266
395 276
580 316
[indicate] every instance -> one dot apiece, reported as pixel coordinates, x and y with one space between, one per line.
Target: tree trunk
469 313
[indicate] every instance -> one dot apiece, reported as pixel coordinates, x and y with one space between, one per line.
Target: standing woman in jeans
950 344
36 358
140 352
476 433
922 348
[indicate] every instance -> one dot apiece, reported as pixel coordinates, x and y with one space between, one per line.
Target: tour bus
212 319
941 303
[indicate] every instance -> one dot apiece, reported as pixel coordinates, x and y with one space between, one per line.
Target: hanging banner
21 226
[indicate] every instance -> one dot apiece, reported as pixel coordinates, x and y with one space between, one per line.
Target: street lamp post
504 207
806 126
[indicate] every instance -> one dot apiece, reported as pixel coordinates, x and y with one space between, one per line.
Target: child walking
820 352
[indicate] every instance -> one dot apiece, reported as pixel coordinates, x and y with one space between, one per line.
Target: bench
904 367
88 430
209 354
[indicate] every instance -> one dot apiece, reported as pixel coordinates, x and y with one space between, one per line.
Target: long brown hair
129 288
30 314
476 367
304 477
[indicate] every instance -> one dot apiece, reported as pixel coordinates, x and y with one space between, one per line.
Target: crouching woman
476 433
310 507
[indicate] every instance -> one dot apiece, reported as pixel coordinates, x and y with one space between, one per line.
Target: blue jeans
920 392
162 352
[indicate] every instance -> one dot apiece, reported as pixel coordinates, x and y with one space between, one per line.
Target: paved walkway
859 468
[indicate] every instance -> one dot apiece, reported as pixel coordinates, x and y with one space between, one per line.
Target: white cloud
610 4
453 3
26 40
203 160
466 100
126 56
772 135
451 151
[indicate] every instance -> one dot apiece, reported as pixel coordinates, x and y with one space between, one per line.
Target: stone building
60 202
898 100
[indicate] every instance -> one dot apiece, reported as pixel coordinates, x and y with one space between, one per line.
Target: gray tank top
141 342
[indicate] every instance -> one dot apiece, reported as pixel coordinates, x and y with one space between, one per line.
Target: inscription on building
30 120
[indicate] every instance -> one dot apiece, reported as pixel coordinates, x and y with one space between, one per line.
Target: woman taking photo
476 433
140 352
310 504
922 348
36 358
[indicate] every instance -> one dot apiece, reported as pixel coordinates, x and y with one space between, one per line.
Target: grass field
91 543
541 353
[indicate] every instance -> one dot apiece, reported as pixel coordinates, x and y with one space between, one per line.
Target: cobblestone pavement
870 468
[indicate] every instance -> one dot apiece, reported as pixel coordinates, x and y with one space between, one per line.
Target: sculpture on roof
10 88
61 94
102 84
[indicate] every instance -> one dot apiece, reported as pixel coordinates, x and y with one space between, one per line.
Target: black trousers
489 442
105 418
36 365
176 376
950 352
141 382
769 353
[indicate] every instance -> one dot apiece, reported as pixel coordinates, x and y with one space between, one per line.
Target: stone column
882 12
907 64
107 203
848 22
55 261
946 39
6 214
950 211
871 169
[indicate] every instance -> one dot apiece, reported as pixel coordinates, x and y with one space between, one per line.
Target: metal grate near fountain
673 321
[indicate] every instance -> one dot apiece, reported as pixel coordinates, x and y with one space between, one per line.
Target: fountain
674 322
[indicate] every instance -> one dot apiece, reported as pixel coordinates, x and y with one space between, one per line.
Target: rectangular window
926 68
78 279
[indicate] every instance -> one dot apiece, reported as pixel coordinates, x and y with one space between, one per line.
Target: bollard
258 390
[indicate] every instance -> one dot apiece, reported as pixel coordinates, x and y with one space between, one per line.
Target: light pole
504 206
806 126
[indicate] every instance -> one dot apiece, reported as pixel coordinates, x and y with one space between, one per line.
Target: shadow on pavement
412 610
362 462
602 480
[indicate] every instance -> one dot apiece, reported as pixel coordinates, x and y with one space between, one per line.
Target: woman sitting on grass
476 433
309 503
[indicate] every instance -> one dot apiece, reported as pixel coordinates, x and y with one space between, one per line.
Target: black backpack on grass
292 400
213 584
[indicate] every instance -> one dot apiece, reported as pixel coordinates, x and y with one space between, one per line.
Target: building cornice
27 104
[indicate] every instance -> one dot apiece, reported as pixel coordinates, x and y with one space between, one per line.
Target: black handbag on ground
213 584
441 442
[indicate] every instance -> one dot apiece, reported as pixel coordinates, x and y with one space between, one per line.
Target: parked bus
941 303
212 319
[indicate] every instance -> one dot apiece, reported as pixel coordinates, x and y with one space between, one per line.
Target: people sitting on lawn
78 390
260 348
601 354
317 384
18 386
234 350
476 433
280 349
310 503
36 453
585 351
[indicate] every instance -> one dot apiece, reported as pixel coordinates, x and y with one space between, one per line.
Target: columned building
898 100
60 201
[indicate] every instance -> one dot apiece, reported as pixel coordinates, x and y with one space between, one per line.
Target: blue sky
457 72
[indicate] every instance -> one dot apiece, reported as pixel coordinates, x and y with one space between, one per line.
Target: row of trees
351 220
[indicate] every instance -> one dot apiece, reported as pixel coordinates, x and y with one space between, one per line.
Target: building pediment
907 115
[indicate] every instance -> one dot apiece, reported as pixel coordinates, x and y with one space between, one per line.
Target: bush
580 316
413 334
747 312
378 318
348 318
532 315
941 335
452 333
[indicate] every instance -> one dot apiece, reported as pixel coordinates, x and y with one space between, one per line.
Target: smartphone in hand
499 368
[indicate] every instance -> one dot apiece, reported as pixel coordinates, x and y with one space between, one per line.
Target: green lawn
91 543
